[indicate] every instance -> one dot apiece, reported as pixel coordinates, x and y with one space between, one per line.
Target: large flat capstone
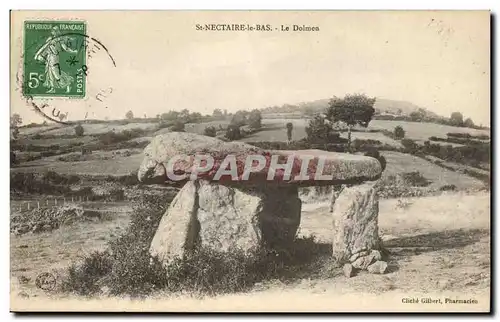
308 167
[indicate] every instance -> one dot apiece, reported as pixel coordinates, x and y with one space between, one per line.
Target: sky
436 60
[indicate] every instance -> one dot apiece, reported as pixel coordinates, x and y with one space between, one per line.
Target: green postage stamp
54 58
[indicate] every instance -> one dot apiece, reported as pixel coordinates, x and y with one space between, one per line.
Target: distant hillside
382 106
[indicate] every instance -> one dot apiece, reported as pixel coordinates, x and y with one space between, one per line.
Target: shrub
79 130
321 131
415 179
210 131
111 137
255 119
127 267
409 145
178 126
83 279
233 132
399 132
448 187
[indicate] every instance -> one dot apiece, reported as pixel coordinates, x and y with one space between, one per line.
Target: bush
468 136
409 145
320 131
399 132
415 179
210 131
178 126
111 137
448 187
83 279
128 269
233 132
79 130
255 119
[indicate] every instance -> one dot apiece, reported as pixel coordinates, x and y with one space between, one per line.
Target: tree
352 109
233 132
129 115
15 133
178 126
289 129
195 117
399 132
170 116
184 115
217 114
469 123
240 118
210 131
255 119
79 130
318 131
15 120
418 115
456 119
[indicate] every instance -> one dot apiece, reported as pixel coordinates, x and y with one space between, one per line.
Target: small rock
358 255
379 267
364 262
376 254
348 270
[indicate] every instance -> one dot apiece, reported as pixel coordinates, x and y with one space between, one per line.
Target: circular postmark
46 281
65 75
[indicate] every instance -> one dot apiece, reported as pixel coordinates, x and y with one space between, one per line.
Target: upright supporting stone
227 218
355 224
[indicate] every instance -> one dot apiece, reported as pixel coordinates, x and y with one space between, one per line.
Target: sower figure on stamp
55 78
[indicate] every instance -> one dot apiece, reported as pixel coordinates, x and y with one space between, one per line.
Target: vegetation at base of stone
126 267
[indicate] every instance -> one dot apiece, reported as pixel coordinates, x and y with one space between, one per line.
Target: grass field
99 128
400 163
116 166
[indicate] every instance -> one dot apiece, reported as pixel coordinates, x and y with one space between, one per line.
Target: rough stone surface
227 218
358 255
355 222
342 167
175 233
379 267
348 270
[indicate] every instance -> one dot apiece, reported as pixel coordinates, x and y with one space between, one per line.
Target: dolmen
236 196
